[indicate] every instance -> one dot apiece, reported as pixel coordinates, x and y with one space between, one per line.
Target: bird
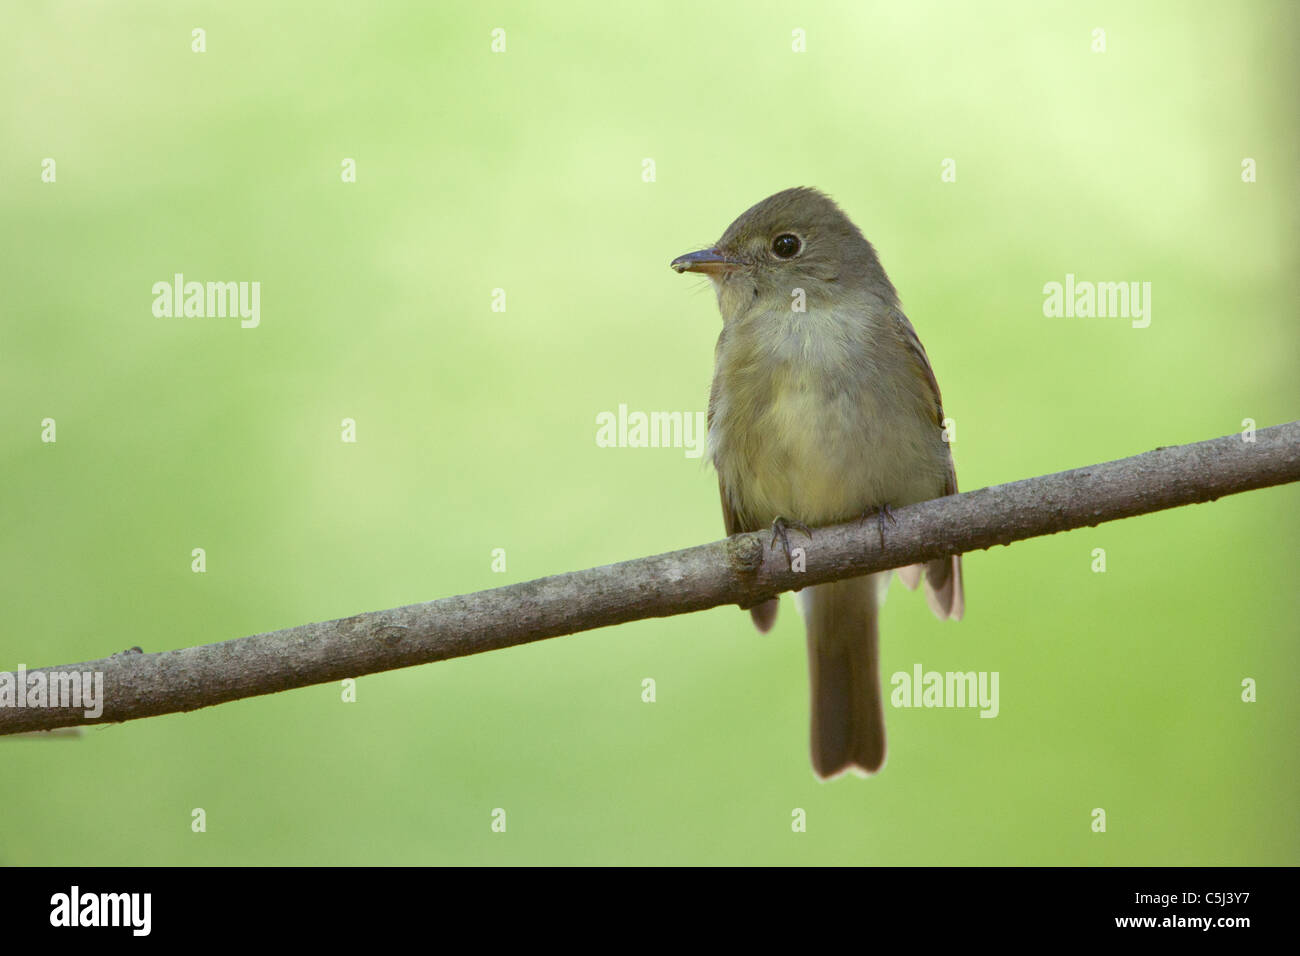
824 408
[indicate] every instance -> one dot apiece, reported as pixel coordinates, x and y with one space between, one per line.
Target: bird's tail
848 719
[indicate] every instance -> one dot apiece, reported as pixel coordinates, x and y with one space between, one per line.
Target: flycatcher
824 408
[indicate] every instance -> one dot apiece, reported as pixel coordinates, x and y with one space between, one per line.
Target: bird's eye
786 245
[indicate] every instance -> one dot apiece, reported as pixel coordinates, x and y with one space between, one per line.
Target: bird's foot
881 514
780 532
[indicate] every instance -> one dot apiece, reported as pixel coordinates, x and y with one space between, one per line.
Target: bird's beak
709 261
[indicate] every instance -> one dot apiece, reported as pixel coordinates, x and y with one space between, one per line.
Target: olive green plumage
824 408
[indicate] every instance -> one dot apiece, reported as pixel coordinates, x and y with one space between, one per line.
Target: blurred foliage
522 171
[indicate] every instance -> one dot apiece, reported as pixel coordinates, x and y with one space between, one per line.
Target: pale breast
818 419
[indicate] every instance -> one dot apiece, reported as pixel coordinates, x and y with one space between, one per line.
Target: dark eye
786 245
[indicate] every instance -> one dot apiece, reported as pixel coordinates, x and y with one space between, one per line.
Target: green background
523 170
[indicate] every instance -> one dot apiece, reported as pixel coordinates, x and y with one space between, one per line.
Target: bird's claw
780 532
881 514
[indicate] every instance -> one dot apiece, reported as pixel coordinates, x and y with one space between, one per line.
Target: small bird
823 409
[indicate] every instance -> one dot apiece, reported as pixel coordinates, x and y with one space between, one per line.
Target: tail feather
943 588
848 720
765 614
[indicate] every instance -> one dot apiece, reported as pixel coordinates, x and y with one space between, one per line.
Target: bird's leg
881 514
780 532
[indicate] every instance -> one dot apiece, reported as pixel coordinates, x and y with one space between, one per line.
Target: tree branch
740 570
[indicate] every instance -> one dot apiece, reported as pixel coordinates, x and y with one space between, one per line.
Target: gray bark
741 570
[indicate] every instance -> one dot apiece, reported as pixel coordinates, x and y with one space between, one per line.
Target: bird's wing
921 364
729 519
764 614
944 592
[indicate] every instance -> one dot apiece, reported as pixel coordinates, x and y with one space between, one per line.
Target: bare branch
740 570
